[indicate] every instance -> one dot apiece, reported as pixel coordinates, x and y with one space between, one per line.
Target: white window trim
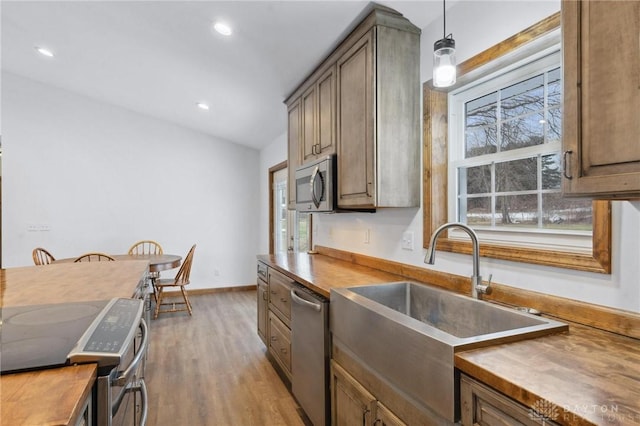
545 59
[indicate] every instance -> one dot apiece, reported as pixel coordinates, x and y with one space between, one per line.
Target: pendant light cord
444 20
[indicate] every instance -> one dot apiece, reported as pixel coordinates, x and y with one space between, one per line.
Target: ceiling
160 58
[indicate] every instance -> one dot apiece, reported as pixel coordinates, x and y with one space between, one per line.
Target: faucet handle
485 289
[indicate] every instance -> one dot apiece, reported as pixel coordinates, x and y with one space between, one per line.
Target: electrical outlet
407 241
367 236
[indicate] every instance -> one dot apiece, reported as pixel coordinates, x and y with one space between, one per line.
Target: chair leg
186 299
158 302
153 289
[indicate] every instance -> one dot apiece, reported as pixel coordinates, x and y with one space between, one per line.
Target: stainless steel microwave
316 185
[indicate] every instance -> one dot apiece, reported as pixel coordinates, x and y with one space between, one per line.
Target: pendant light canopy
444 57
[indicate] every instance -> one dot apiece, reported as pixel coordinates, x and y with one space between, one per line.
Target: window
291 230
504 157
492 159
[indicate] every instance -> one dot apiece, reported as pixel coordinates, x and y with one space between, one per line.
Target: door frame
272 171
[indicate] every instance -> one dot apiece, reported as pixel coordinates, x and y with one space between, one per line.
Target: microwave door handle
122 378
316 174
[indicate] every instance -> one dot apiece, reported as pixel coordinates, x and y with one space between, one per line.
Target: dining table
157 262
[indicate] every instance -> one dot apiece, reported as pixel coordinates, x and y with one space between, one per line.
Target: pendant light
444 57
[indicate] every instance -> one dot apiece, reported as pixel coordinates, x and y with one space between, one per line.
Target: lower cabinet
280 343
352 404
481 405
263 309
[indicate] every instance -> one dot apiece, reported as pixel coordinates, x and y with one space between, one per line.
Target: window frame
435 161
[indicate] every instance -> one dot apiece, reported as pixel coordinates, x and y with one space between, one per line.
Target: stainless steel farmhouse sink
408 333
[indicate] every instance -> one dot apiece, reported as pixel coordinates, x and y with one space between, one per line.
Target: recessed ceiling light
222 28
44 52
203 106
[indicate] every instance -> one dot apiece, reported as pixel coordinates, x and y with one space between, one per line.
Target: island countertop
70 282
54 396
589 376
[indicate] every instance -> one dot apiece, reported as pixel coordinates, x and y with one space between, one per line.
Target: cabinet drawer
280 343
481 405
263 272
280 295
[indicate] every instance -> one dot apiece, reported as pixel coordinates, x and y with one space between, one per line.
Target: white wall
476 26
102 177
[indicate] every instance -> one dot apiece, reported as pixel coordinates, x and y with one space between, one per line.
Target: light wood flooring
211 368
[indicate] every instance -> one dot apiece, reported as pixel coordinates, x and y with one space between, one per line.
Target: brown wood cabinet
481 405
362 102
319 118
601 126
352 404
378 120
263 302
294 136
280 343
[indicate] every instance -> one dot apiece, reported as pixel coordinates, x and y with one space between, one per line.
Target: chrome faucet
476 280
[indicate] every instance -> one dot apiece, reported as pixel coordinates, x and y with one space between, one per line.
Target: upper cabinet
362 103
601 133
294 137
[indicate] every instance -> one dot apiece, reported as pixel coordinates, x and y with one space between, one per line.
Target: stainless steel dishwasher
310 353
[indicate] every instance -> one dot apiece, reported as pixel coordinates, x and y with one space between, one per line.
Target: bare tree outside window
514 187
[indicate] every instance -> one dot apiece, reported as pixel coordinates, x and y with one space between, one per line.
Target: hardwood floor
211 369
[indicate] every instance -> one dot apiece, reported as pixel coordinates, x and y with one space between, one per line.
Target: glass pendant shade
444 62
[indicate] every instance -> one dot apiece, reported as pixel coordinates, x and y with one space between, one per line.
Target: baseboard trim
201 291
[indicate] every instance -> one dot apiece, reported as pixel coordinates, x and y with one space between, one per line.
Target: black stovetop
41 336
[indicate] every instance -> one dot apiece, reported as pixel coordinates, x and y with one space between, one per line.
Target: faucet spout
476 279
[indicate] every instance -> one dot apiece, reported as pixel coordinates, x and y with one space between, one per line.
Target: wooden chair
145 247
181 280
94 257
42 256
148 247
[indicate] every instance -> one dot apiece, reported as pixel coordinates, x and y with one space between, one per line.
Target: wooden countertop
47 397
591 376
580 377
70 282
53 397
322 273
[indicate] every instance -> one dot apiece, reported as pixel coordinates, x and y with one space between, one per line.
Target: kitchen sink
408 334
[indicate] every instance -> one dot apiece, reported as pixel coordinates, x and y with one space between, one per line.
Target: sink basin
408 333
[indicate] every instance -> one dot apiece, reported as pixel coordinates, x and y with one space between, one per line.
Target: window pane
554 88
522 132
554 124
566 213
482 111
518 175
480 141
551 171
476 180
523 98
517 210
477 213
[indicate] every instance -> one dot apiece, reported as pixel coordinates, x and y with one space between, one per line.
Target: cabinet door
356 136
481 405
294 136
601 128
280 343
280 295
326 94
263 306
309 116
351 404
384 417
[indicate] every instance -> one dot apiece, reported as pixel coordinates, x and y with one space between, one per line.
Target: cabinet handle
274 292
283 350
283 300
264 296
565 164
274 339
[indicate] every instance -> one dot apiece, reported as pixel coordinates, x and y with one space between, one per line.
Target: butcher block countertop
583 376
70 282
47 397
322 273
54 397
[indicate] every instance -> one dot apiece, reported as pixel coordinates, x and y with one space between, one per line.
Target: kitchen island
584 376
57 396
